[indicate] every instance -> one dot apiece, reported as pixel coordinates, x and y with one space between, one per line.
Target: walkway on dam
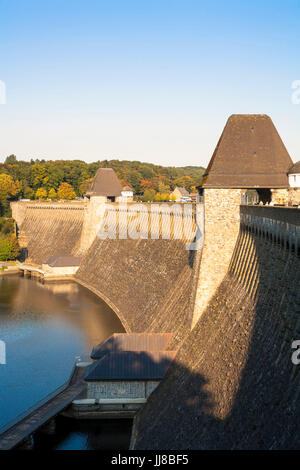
27 425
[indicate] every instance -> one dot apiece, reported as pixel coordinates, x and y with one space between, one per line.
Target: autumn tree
66 191
9 248
41 193
146 184
52 194
84 186
149 195
9 189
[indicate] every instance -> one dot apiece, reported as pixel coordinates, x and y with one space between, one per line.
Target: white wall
294 180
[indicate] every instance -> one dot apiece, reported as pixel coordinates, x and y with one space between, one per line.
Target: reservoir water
44 327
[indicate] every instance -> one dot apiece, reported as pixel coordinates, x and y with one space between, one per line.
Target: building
249 155
127 194
128 367
132 342
105 186
181 195
294 175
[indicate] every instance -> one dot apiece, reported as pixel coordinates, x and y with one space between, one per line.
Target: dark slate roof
132 342
105 183
295 168
63 260
131 365
249 154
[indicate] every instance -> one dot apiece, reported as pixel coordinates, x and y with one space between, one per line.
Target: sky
149 80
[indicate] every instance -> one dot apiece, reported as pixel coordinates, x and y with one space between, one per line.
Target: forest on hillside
67 179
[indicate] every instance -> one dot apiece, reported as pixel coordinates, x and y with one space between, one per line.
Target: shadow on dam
233 384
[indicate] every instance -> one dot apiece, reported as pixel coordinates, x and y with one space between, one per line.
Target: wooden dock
27 425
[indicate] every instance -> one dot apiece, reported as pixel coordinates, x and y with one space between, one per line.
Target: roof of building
295 168
105 183
249 154
131 365
183 191
62 260
132 342
127 188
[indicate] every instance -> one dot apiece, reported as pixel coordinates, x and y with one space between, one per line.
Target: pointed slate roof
105 183
132 342
131 365
183 191
295 169
249 154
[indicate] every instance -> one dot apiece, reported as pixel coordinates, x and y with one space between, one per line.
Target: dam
232 305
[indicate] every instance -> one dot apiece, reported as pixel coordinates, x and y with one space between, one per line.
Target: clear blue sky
151 80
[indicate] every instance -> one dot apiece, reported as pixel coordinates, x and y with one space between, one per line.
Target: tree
85 186
52 194
165 197
41 193
28 193
149 195
9 189
9 248
184 182
10 160
66 191
146 184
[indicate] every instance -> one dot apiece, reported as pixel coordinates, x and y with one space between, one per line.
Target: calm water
86 435
45 326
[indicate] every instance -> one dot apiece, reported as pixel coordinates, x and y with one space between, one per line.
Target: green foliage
149 195
20 179
7 226
11 160
9 248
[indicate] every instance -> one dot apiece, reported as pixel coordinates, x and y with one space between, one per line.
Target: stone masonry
221 219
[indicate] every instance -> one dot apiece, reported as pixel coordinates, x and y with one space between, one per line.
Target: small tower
250 155
105 186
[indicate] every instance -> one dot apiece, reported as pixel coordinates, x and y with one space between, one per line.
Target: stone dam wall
233 384
45 229
149 283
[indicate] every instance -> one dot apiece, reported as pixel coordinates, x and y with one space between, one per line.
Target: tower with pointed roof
249 155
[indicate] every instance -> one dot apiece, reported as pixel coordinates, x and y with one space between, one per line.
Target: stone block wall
233 384
221 220
46 229
121 389
150 284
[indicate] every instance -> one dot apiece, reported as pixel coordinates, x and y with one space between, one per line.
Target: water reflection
45 326
86 435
